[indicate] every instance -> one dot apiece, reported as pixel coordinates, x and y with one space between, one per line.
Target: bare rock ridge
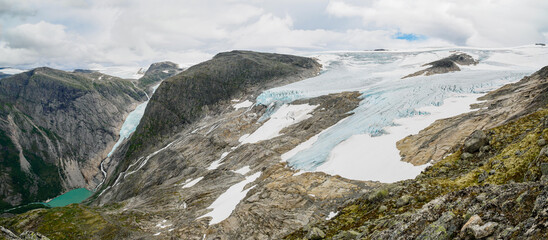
445 65
55 127
498 107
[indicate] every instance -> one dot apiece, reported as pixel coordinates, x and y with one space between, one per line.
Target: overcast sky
86 34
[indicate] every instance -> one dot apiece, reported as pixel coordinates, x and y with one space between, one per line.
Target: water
73 196
386 97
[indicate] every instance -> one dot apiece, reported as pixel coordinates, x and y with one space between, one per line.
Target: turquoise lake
73 196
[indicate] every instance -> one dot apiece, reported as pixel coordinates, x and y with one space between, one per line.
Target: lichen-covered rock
443 228
315 234
475 227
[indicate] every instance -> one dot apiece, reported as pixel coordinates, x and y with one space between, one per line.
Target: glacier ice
386 97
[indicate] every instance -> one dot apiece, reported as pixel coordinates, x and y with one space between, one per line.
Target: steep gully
128 127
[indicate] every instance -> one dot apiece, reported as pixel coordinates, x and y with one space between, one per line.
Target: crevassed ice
386 97
132 121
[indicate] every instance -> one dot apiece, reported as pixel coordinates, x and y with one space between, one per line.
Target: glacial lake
70 197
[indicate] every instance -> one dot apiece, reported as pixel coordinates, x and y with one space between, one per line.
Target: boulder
477 140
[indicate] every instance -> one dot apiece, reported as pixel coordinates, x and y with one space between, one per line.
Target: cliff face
55 127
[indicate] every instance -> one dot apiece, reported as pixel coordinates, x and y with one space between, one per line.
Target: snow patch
285 116
244 104
215 164
225 204
192 183
243 170
331 215
163 224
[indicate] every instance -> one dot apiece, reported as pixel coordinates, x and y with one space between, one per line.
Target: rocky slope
445 65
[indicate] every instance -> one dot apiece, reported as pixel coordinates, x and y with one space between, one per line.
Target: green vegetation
71 222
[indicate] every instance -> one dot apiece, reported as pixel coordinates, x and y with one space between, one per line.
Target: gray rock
382 208
28 235
346 235
484 175
541 142
6 233
444 228
475 227
466 156
475 141
403 200
315 233
544 169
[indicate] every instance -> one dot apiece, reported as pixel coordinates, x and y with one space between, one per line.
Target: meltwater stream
128 127
388 98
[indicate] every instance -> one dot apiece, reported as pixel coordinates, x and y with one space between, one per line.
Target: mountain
267 146
55 128
157 72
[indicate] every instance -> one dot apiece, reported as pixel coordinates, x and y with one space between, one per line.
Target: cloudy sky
71 34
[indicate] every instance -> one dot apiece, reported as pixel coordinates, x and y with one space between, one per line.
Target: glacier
386 98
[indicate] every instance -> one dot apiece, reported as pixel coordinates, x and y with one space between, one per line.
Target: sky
69 34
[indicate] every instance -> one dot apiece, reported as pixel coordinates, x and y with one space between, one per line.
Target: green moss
71 222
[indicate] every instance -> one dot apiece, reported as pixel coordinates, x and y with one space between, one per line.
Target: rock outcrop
445 65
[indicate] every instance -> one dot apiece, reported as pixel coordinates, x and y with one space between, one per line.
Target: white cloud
474 23
84 34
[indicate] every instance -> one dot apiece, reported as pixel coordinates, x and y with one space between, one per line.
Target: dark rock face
55 127
183 98
445 65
